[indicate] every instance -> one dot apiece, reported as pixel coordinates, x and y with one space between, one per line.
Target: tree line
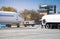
11 9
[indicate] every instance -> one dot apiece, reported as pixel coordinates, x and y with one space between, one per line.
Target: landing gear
8 25
25 25
18 25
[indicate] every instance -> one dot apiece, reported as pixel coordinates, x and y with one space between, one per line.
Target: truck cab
51 21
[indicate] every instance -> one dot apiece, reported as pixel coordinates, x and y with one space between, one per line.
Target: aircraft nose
21 20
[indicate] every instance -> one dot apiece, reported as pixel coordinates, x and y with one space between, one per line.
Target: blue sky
29 4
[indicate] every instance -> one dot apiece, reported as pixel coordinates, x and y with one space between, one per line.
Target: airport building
47 9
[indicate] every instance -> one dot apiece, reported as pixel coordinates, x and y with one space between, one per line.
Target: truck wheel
47 26
32 25
25 25
8 25
18 26
58 26
50 27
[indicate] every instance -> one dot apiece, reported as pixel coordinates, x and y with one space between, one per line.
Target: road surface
29 33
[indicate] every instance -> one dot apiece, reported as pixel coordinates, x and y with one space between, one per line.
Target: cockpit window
7 15
20 16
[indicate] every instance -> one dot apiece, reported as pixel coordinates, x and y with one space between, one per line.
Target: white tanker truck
51 21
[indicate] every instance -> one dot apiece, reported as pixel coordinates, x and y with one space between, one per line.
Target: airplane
9 18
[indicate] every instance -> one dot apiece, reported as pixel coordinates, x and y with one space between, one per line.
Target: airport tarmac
29 33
